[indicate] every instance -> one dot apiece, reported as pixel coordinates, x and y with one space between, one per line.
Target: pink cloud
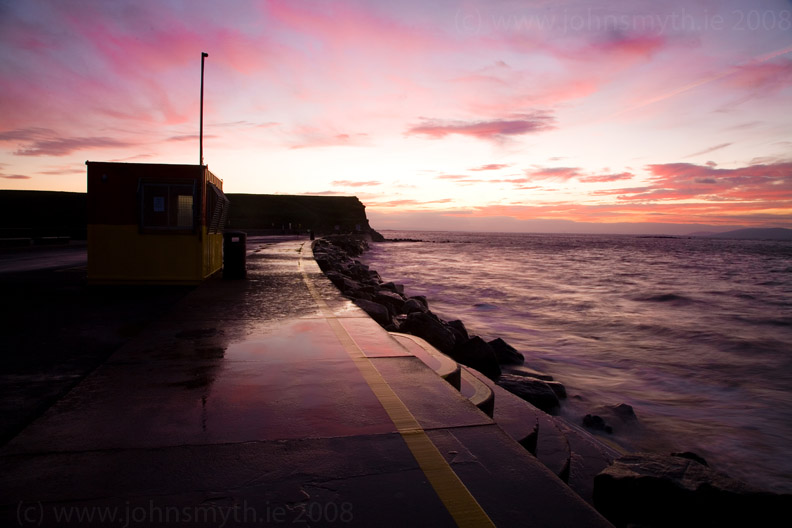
350 183
553 173
708 150
43 142
763 77
769 183
495 129
637 45
321 136
491 167
340 27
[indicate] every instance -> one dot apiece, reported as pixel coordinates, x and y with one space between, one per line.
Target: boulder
522 370
558 388
607 417
393 301
396 288
534 391
398 321
413 305
458 327
692 456
360 294
596 422
375 310
624 412
477 354
660 490
426 326
349 286
336 278
421 299
506 354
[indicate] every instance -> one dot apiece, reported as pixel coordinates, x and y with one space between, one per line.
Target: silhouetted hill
755 233
34 214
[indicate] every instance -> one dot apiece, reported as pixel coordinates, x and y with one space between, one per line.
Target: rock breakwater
389 305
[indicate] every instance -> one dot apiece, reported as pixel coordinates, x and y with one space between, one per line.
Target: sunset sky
574 116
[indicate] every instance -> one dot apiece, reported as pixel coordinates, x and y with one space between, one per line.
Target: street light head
204 54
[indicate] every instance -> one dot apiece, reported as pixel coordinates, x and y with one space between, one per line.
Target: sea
694 333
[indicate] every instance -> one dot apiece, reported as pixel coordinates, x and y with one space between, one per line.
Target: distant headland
753 233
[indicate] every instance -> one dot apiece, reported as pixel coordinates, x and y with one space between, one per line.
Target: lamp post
200 135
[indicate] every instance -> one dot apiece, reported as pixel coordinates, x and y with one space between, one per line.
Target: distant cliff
50 213
322 214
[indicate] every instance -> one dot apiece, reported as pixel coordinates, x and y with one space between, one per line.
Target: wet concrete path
273 401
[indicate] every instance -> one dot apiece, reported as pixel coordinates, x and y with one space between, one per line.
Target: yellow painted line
457 499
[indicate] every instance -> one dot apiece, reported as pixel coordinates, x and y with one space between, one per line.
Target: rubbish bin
234 248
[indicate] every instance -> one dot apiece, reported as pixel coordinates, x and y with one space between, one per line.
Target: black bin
234 248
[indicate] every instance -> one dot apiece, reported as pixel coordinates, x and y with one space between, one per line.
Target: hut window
185 210
167 206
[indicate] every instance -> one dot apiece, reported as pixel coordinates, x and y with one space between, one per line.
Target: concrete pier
273 401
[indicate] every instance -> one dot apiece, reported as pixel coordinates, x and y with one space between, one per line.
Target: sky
538 116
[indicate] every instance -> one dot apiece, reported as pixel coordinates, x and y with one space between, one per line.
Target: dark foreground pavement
266 402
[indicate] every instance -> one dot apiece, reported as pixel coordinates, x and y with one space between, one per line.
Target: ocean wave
666 298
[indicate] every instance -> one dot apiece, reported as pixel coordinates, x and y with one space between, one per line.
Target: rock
360 294
691 456
396 288
461 333
522 370
593 421
350 244
534 391
624 412
421 299
393 301
558 388
661 490
506 354
459 326
376 311
618 415
413 305
398 321
426 326
476 353
336 278
349 286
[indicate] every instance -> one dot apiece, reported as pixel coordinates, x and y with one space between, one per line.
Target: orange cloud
602 178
